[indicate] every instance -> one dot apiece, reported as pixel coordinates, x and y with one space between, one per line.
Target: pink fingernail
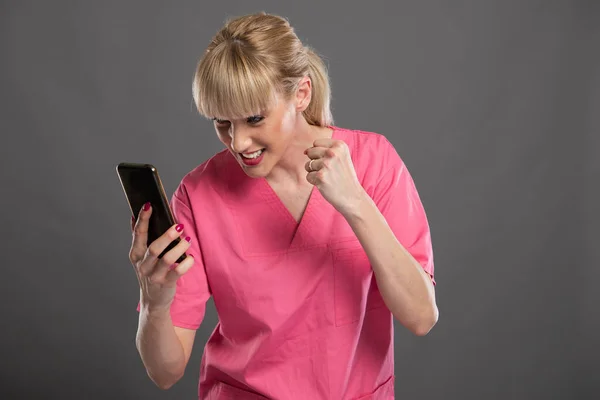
147 206
179 227
187 238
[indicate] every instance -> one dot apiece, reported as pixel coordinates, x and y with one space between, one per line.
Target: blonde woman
310 238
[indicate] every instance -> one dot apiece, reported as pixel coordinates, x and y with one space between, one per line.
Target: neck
291 166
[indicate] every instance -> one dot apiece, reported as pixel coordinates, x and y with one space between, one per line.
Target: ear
303 94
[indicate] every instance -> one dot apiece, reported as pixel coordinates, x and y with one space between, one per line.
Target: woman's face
258 142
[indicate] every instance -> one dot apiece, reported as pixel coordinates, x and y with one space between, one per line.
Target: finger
165 264
140 233
324 142
160 244
314 165
314 178
318 152
180 269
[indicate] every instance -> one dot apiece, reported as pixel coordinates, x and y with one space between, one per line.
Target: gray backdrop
494 105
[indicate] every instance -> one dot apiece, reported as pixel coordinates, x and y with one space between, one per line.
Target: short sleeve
192 291
398 200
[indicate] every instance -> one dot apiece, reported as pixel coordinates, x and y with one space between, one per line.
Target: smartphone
141 183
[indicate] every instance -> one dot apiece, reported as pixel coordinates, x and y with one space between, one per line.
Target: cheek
287 124
223 136
281 132
289 118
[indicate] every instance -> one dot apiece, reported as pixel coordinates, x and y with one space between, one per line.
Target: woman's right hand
157 276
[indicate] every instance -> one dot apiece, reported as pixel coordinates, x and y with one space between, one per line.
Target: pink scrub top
300 314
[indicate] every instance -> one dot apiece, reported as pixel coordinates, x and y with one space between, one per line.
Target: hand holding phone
157 252
156 275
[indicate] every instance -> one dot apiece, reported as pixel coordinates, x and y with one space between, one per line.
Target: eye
220 121
255 119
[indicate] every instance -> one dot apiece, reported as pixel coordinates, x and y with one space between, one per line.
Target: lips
252 158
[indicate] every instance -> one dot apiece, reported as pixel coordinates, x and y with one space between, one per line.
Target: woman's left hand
330 169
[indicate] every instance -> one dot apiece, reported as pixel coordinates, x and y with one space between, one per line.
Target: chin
255 172
260 170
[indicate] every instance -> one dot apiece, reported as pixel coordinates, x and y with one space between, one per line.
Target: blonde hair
252 59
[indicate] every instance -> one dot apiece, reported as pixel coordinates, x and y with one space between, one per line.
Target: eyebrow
249 116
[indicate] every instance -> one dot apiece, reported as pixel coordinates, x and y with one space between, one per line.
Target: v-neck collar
300 230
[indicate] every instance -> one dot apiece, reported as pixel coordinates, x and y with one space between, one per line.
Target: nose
240 139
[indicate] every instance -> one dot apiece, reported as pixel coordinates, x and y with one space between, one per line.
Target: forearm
159 347
405 287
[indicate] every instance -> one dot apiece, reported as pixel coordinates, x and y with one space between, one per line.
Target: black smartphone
141 183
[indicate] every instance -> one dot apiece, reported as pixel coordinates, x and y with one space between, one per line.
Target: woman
306 281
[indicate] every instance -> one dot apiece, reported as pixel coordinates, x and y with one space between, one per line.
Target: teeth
253 155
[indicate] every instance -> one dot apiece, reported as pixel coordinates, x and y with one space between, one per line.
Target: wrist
155 315
356 206
154 310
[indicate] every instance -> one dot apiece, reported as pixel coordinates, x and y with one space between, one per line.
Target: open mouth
253 158
254 155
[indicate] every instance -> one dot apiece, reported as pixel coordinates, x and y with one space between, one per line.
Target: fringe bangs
230 84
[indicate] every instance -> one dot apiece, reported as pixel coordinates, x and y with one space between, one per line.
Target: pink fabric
300 315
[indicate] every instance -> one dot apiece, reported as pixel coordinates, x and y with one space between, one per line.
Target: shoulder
372 153
203 178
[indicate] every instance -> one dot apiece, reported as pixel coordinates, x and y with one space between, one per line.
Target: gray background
494 106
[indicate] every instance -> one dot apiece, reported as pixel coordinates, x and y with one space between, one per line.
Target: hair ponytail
318 111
